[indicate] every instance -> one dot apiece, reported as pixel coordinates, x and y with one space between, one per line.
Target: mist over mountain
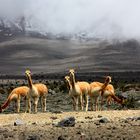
75 18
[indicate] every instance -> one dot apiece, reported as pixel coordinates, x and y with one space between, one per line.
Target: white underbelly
33 92
75 92
106 93
95 92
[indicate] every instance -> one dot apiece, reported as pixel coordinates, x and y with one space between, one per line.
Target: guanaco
36 91
67 80
79 88
16 95
105 90
97 90
69 87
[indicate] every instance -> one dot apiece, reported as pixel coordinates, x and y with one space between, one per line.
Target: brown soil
121 126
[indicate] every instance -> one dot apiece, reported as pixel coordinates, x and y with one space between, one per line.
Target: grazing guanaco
103 87
97 90
16 95
36 91
106 90
81 88
109 93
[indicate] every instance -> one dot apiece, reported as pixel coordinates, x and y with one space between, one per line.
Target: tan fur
94 94
15 95
85 89
36 91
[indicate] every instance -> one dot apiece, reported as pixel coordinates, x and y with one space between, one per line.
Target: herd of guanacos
78 91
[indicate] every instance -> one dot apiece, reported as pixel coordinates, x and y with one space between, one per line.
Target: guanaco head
28 72
71 71
123 100
108 79
67 80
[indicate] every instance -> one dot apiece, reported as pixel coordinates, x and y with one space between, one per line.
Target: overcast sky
96 18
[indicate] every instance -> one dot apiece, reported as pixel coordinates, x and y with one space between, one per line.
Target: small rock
18 122
14 129
132 119
114 127
34 123
33 138
97 123
109 128
88 117
53 118
57 112
61 138
103 120
5 136
136 118
80 133
67 122
82 136
22 136
126 121
99 116
52 92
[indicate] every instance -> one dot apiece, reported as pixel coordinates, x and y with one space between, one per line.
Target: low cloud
90 18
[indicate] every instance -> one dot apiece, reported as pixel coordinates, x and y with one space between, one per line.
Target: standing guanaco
16 95
69 87
36 91
79 88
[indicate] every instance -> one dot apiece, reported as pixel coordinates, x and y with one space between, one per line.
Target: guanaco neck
72 78
116 99
104 86
30 83
68 84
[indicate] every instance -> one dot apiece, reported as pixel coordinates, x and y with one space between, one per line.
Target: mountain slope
42 55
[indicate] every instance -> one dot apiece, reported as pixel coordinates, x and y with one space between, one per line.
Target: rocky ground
117 124
106 125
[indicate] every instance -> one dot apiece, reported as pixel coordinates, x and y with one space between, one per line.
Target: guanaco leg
35 103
